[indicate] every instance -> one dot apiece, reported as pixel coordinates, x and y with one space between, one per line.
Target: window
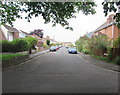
10 36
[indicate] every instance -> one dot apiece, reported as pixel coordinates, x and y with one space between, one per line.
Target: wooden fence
116 51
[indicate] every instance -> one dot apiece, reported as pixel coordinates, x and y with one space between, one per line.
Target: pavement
38 53
100 63
59 72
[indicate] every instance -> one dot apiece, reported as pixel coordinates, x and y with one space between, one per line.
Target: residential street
59 72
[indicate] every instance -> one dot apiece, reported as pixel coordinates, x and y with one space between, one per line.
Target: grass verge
9 56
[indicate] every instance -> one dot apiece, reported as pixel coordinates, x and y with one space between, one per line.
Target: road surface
59 72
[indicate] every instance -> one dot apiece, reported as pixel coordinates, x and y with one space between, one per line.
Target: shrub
31 41
117 60
79 47
99 45
110 53
85 51
86 47
19 45
116 43
48 42
45 45
6 46
79 43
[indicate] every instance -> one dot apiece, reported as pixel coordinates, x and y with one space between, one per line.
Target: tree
31 42
48 42
38 33
112 7
54 12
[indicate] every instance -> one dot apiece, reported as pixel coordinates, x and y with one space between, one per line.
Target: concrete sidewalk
100 63
38 53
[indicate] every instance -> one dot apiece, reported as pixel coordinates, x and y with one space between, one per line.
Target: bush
48 42
116 43
110 53
79 48
117 60
99 44
31 41
6 46
45 45
85 51
19 45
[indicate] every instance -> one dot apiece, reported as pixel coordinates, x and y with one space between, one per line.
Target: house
66 43
44 40
109 29
52 40
40 42
8 33
23 34
89 35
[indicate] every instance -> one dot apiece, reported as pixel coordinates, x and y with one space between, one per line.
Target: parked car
57 47
60 46
72 50
52 48
67 46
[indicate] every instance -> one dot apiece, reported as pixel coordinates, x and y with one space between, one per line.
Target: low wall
14 61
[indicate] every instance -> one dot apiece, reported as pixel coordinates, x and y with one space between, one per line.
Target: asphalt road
59 72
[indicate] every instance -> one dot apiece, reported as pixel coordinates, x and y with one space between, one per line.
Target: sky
81 25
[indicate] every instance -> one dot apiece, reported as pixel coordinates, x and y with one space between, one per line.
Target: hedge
6 46
18 45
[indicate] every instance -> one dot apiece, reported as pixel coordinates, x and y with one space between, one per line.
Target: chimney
110 18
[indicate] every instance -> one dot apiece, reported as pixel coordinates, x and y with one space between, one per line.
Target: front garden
13 52
100 47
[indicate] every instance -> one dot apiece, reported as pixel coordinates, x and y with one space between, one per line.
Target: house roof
11 29
24 32
110 21
104 26
35 36
89 35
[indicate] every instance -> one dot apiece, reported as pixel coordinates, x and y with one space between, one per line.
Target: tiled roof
104 26
110 21
35 36
89 35
24 32
11 29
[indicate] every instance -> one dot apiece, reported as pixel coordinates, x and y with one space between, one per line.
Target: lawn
9 56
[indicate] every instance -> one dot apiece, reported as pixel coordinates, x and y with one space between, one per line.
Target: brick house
109 29
10 33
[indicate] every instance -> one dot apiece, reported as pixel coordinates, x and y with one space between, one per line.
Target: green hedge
31 41
117 60
6 46
18 45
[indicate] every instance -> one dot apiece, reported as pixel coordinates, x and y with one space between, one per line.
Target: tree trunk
30 51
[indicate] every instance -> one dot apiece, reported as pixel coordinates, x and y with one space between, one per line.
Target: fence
116 51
